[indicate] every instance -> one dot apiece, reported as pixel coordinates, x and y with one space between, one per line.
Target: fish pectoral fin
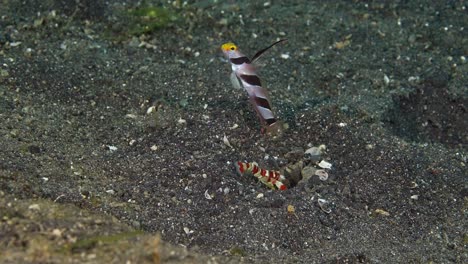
235 81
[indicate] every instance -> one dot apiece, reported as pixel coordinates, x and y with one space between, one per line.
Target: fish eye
229 46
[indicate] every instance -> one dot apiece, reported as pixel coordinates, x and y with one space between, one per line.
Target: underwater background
120 131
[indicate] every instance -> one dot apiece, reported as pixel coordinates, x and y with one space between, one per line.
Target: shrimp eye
233 48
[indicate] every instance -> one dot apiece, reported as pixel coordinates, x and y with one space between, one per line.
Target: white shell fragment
131 116
386 79
322 174
413 185
181 121
57 232
151 109
382 212
226 142
260 195
324 205
15 44
325 165
207 195
112 148
188 231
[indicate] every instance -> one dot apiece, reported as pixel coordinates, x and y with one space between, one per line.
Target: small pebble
181 121
308 172
35 207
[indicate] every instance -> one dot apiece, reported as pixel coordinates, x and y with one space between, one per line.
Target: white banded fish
244 74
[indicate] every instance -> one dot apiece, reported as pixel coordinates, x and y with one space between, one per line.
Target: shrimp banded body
271 178
244 75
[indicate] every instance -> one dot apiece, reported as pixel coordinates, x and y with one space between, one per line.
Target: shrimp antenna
260 52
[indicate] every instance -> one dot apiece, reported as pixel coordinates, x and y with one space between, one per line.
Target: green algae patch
146 20
42 231
88 243
237 251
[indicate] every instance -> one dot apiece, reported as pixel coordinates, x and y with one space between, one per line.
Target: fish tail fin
275 130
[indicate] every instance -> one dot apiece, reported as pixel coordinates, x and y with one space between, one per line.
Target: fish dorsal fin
260 52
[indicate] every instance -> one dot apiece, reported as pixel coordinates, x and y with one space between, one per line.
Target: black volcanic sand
113 125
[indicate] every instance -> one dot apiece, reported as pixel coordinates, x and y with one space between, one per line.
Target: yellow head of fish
226 47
